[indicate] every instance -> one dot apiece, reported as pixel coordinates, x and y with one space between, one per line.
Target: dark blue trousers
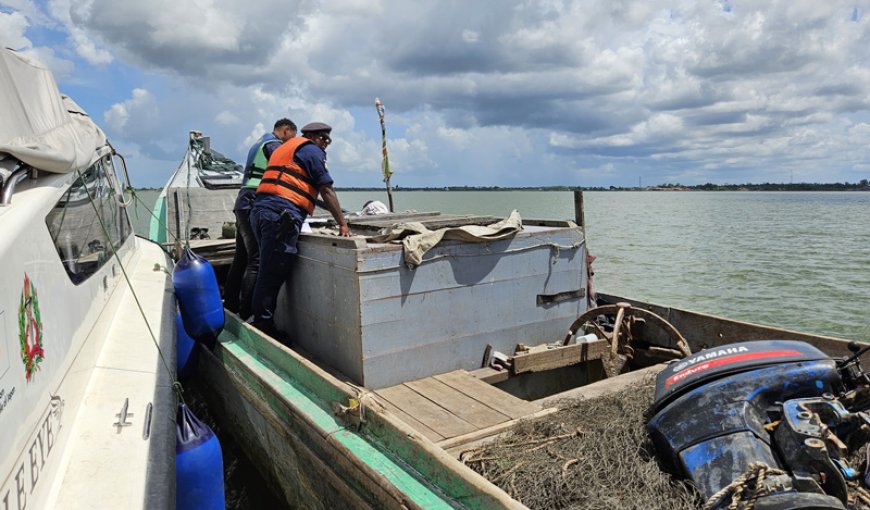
242 275
276 251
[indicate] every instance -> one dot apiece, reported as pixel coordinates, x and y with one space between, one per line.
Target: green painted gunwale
422 473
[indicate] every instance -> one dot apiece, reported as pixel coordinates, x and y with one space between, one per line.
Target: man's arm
331 201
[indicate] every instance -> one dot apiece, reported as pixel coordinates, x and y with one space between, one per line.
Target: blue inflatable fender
199 298
186 358
199 466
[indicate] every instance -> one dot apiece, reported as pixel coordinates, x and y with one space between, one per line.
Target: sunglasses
325 139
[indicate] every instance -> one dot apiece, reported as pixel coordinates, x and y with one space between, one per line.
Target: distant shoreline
742 187
862 186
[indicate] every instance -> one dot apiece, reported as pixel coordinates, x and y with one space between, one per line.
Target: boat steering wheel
621 311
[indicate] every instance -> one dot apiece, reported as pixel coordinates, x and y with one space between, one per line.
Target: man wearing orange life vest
286 195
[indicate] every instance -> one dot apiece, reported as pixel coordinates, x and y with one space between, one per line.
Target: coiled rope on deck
758 471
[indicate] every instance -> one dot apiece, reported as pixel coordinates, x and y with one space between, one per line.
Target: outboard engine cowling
776 402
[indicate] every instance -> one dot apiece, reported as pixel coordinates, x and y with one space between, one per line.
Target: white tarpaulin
38 125
417 239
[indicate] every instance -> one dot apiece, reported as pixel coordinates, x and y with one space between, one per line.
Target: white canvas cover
38 125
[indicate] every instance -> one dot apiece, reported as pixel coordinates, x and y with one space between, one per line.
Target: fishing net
595 454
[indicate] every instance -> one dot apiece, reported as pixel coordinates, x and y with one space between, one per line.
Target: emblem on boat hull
30 329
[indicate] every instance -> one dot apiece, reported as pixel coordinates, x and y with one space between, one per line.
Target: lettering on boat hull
5 397
25 476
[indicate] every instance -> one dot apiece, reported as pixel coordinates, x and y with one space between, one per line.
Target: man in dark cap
246 262
286 195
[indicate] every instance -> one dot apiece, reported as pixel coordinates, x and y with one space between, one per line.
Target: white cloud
132 115
226 118
570 83
12 28
68 12
117 116
88 50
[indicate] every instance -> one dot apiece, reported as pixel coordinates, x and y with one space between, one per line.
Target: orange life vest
286 179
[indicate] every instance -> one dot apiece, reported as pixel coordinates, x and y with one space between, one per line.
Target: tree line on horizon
862 185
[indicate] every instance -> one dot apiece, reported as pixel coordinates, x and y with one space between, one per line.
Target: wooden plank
461 222
432 221
410 420
212 244
548 223
480 414
558 357
479 390
387 314
393 218
425 411
477 435
600 388
490 375
579 215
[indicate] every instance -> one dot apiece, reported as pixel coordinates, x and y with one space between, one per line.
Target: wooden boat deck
455 408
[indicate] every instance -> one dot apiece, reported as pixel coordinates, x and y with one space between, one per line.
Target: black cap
316 127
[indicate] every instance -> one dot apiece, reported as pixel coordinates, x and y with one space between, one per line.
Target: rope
863 495
150 212
356 405
187 195
114 184
176 385
758 470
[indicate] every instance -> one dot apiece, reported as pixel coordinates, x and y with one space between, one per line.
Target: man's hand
331 201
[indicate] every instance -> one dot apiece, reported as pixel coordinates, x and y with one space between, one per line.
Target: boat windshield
82 231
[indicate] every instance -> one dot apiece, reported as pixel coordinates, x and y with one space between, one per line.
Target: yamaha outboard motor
781 403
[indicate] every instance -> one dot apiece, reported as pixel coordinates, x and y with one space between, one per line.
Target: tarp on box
417 239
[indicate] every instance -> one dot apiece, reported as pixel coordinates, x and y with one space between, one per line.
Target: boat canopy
41 127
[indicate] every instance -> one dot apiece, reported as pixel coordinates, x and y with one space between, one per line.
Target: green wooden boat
322 441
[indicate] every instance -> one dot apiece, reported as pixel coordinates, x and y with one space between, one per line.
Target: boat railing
20 173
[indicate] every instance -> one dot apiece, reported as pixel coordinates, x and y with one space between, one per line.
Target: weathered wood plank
558 357
477 435
425 411
353 243
600 388
480 414
461 221
490 375
212 244
507 403
512 303
547 223
410 420
380 220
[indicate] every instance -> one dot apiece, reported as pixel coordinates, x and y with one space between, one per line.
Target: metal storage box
356 306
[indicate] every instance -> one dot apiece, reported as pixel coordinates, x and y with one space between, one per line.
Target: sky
509 93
